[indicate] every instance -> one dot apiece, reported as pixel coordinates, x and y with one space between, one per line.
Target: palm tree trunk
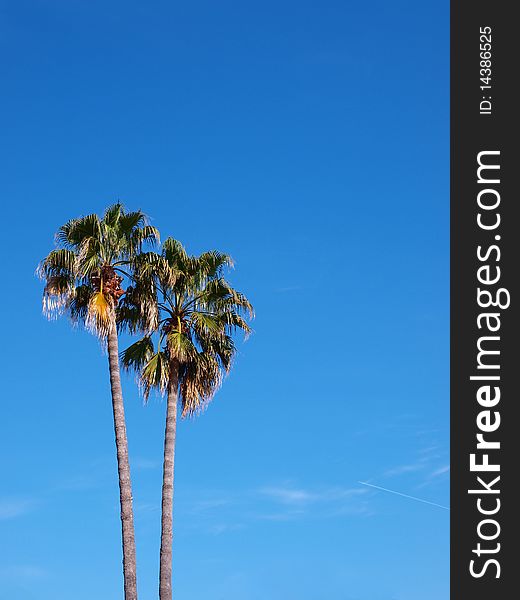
123 466
165 567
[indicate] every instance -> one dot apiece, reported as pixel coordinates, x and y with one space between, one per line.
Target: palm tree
83 278
195 314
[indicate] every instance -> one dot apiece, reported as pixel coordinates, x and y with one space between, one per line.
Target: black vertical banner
485 337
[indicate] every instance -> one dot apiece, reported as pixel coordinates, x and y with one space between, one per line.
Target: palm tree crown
83 275
194 311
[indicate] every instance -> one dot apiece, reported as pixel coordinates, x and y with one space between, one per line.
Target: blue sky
310 141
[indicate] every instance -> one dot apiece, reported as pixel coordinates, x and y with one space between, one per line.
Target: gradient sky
310 141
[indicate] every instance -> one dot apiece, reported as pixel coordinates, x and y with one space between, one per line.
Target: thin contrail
378 487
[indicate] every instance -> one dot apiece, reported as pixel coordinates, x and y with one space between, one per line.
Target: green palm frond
175 255
224 350
155 374
63 235
218 296
208 323
152 368
211 264
113 214
60 262
136 356
234 322
76 231
90 256
147 233
180 346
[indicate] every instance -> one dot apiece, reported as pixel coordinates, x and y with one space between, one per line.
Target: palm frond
180 346
59 262
79 302
200 380
155 374
90 256
211 264
56 296
113 215
146 234
76 231
175 255
234 322
223 349
218 295
100 315
207 322
136 356
138 310
129 221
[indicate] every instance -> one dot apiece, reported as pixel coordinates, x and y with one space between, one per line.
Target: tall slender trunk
165 566
123 467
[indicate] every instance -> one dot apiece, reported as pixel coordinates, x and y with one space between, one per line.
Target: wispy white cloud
220 528
434 477
404 423
288 503
145 464
22 572
402 469
295 496
12 508
226 511
440 471
208 505
289 495
77 483
142 508
285 515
